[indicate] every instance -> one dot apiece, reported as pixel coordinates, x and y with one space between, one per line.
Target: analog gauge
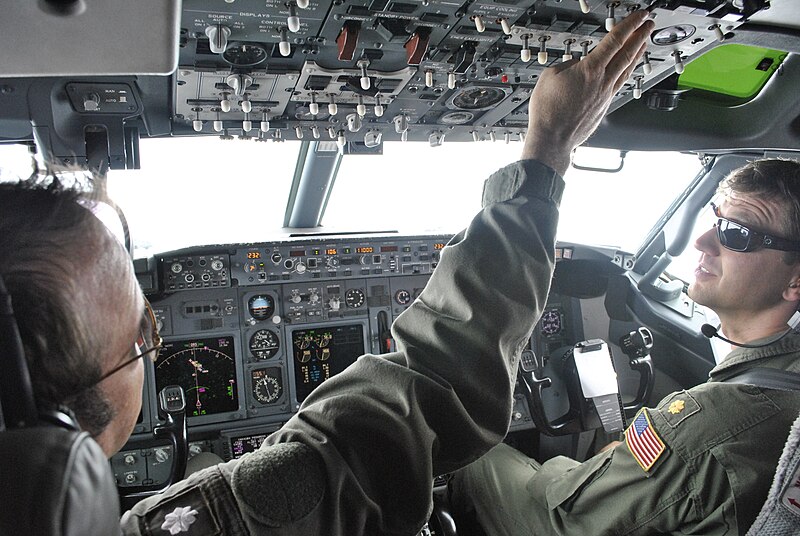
206 371
267 385
261 307
354 298
244 54
551 322
478 98
403 297
264 344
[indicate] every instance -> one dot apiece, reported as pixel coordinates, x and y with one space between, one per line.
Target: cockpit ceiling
363 72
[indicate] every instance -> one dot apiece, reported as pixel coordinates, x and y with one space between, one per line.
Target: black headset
18 407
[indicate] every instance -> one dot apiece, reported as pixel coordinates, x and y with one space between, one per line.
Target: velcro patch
678 407
643 442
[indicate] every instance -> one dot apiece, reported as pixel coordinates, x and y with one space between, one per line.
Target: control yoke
172 406
587 369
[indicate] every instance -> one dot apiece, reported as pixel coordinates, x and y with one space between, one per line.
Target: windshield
417 188
197 191
203 190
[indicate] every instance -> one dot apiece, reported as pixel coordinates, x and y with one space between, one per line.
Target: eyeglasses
737 237
143 346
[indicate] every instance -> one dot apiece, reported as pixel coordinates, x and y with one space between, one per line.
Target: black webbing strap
770 378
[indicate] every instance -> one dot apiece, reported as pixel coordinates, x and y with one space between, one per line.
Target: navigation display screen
206 369
322 353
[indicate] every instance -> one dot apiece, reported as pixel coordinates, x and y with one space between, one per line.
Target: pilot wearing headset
359 456
701 461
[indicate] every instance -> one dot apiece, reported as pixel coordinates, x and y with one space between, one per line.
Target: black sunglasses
737 237
143 345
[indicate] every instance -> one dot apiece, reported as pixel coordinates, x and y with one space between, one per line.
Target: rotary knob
334 303
161 455
295 297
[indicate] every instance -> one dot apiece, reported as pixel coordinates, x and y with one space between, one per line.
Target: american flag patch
645 446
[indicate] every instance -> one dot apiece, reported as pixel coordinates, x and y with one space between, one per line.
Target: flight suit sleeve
612 494
367 443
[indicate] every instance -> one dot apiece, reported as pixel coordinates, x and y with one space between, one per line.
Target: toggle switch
361 108
451 80
637 88
264 127
611 20
647 67
678 61
247 105
479 24
567 50
333 109
378 106
283 46
505 25
525 53
428 78
313 106
585 48
315 131
365 81
293 21
542 56
225 103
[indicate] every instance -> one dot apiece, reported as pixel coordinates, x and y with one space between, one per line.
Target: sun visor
84 37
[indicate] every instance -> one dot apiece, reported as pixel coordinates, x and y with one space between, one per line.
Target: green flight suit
722 442
360 455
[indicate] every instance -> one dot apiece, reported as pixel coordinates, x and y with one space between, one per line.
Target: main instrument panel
251 330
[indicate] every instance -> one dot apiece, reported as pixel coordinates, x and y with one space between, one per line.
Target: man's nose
708 242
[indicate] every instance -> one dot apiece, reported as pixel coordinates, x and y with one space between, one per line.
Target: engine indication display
322 353
205 369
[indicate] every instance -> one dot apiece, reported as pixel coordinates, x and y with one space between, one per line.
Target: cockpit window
413 188
15 162
205 190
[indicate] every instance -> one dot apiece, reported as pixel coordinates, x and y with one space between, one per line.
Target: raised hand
571 98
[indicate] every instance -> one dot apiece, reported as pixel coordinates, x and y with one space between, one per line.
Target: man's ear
792 290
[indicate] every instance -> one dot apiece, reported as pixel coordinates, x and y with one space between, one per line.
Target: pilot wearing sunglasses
701 461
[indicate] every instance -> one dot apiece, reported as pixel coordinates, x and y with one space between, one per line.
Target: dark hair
46 237
772 179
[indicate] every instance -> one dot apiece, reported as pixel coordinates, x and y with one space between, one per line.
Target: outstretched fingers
617 49
629 70
626 58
